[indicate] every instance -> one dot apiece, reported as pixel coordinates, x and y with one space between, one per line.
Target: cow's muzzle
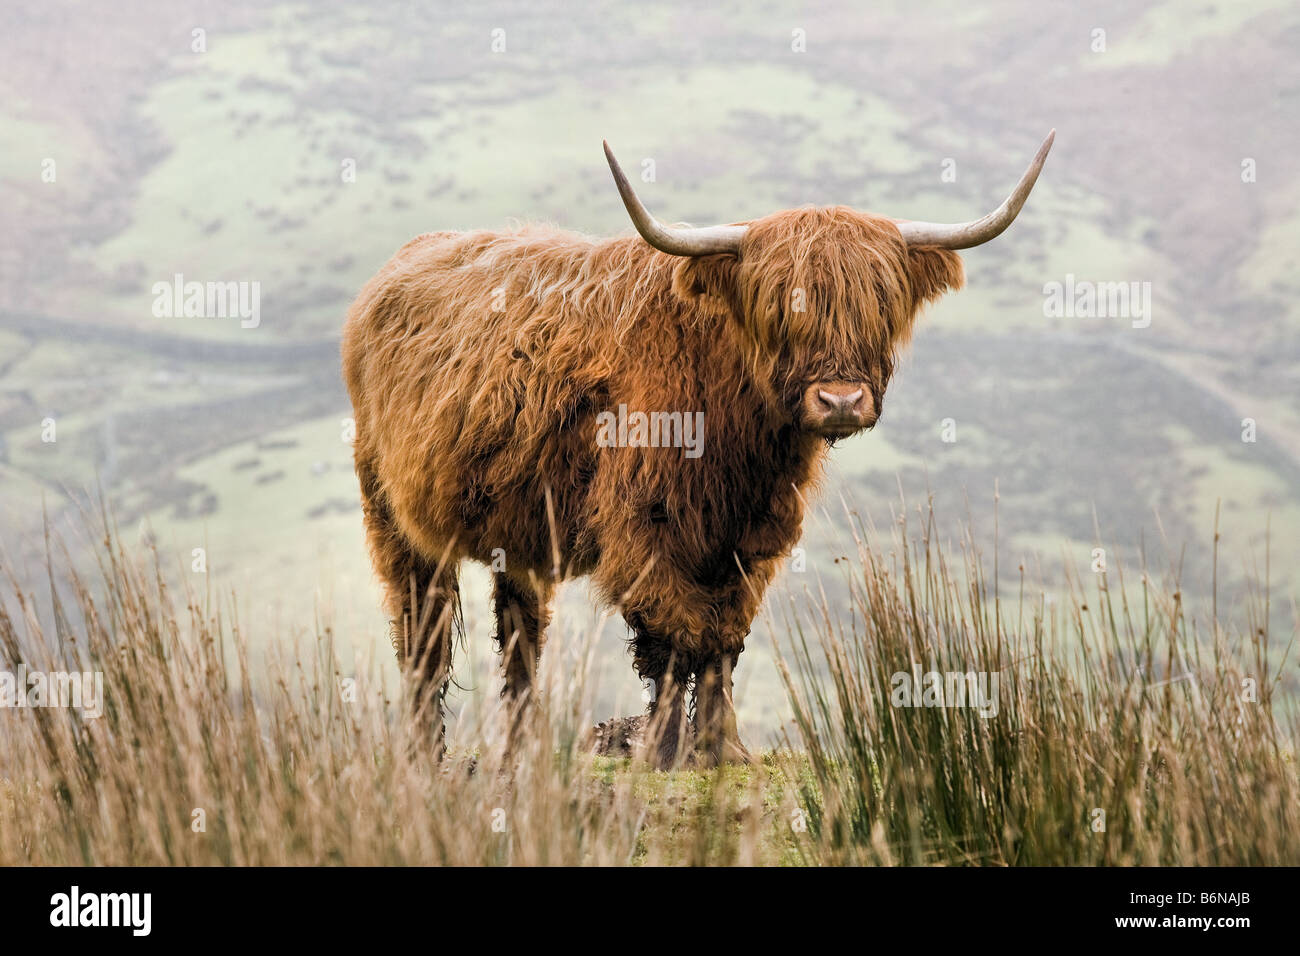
838 409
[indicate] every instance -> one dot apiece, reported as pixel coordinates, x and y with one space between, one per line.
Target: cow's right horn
680 241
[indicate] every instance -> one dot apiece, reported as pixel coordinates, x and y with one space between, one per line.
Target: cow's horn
963 235
681 241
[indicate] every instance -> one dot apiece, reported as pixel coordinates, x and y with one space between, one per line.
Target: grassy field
226 164
1115 726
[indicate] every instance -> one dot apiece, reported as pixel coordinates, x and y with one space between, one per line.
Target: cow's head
823 299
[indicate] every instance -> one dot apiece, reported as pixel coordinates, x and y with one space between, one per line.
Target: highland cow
479 365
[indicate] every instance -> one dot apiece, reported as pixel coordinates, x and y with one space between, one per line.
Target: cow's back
471 359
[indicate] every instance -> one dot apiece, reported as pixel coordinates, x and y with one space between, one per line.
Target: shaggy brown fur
477 364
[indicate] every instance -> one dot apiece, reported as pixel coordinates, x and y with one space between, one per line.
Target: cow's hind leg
523 609
422 599
669 675
424 632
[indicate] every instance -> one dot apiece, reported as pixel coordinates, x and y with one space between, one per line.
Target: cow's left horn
963 235
682 241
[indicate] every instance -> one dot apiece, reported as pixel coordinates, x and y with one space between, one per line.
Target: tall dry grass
1127 732
299 758
296 758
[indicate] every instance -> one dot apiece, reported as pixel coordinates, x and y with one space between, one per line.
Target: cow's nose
839 403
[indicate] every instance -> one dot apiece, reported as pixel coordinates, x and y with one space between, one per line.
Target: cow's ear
709 280
934 272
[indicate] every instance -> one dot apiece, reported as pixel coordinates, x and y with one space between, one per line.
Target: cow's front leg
668 673
717 737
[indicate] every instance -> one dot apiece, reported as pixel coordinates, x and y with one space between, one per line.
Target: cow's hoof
669 754
730 751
